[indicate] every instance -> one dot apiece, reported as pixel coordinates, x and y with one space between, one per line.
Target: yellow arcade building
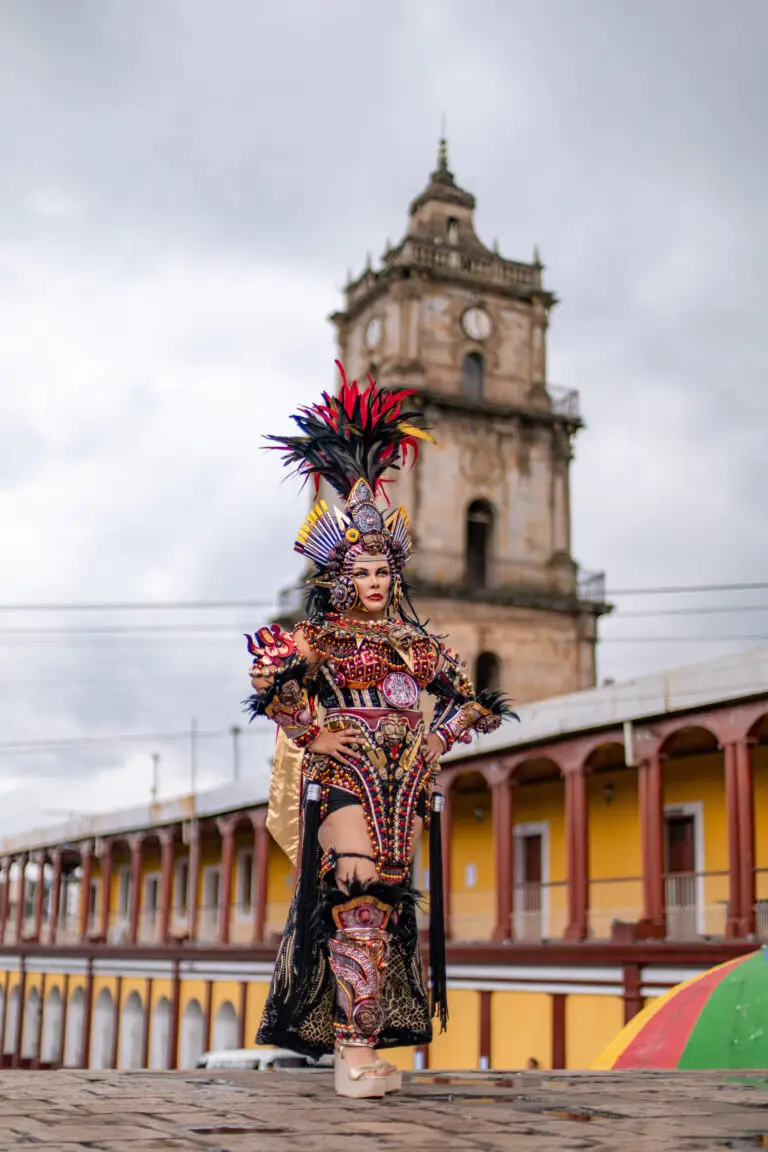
612 844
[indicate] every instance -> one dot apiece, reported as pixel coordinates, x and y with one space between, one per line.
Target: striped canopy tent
717 1020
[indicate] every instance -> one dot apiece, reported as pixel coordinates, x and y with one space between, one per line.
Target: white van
261 1059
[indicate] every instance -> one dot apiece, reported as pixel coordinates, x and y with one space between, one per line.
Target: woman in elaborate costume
344 688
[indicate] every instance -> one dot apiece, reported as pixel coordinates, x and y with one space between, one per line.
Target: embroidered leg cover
358 954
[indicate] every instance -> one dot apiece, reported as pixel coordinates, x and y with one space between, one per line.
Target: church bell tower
490 504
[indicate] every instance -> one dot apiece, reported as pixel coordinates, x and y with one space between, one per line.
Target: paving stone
472 1112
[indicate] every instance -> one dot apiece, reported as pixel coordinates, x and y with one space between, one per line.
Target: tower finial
442 150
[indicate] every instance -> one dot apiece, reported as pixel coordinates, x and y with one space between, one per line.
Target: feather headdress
352 440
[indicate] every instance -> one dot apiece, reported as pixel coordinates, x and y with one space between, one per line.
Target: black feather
295 668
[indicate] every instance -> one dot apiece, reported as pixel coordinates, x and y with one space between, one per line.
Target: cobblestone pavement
280 1111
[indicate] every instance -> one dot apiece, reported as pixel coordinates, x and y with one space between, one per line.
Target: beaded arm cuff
460 710
286 700
308 737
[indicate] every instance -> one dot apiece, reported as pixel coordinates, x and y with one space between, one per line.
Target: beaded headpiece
352 440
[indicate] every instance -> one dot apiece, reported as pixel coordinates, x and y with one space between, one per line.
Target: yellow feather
419 433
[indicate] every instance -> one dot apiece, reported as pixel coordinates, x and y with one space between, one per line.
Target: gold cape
284 796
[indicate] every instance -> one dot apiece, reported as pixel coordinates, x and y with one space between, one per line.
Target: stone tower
490 505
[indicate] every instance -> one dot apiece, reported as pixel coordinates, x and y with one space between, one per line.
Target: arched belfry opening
479 543
472 376
488 672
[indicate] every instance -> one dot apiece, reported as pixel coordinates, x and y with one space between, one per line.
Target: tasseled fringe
439 980
306 891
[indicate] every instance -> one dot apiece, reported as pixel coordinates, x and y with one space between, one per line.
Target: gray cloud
182 191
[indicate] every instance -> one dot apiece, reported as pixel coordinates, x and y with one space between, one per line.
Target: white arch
12 1020
159 1035
73 1042
131 1033
225 1028
32 1010
52 1022
102 1037
191 1038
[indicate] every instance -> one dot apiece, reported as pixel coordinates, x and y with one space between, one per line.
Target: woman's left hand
433 748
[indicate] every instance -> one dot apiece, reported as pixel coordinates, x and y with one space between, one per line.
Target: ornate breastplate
393 657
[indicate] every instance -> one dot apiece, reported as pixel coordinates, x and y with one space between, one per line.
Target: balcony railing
611 900
540 911
565 401
697 908
697 904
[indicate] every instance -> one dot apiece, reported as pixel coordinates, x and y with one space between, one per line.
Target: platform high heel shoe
363 1083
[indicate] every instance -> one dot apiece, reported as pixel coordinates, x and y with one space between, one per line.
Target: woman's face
373 581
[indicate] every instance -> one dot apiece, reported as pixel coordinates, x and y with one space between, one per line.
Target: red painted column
17 1042
20 894
261 869
166 883
55 905
732 821
7 865
651 802
147 1023
503 818
227 832
486 1025
136 844
173 1032
559 1040
85 1040
106 890
86 861
577 853
242 1014
746 805
39 893
445 830
194 879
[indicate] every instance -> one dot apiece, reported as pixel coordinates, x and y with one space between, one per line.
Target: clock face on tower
476 323
373 333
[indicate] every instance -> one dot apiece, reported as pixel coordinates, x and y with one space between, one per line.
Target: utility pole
235 752
155 775
193 759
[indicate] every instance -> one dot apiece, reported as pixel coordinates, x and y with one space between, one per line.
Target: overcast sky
183 188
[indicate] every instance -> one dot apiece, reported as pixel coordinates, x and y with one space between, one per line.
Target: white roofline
713 682
225 798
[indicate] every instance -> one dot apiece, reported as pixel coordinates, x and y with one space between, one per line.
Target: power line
707 610
118 738
234 628
686 588
205 605
133 605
